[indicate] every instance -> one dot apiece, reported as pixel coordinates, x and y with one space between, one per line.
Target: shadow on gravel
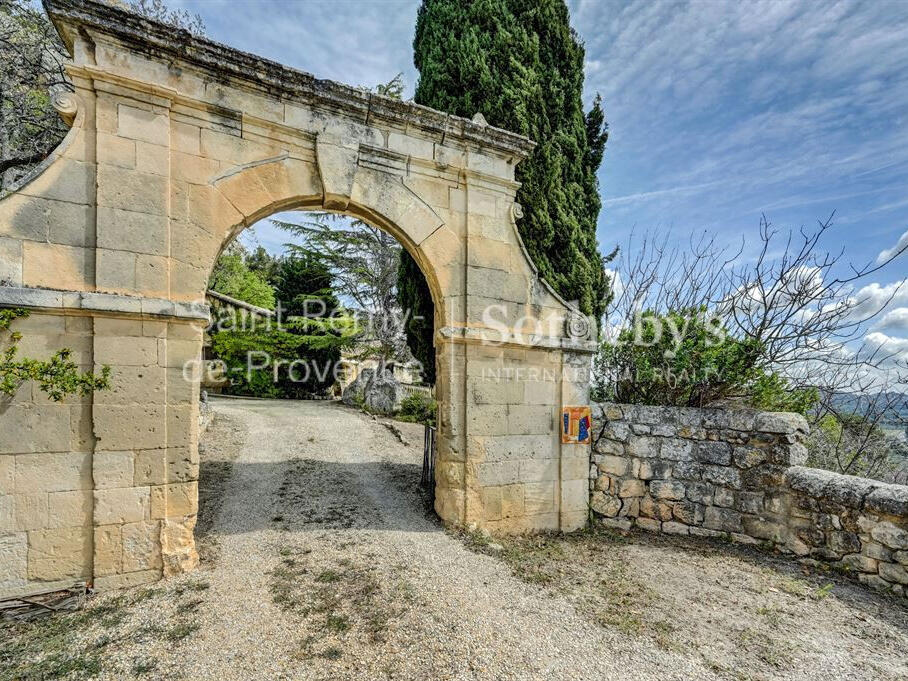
320 495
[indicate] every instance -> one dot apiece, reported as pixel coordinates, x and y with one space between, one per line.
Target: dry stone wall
739 474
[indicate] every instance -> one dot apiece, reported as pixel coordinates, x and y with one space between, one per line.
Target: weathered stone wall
737 474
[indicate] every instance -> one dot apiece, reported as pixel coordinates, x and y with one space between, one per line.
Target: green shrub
688 359
57 377
418 408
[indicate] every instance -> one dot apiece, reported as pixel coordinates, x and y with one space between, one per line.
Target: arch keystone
337 163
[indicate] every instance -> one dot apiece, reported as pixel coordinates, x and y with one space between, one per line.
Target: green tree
264 264
415 300
304 286
687 358
296 357
232 277
519 63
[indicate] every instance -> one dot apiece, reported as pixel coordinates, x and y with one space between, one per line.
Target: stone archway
177 144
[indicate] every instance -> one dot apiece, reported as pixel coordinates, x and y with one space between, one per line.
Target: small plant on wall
58 376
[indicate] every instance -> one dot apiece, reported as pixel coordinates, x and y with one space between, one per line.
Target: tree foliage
301 348
233 277
363 262
519 63
686 358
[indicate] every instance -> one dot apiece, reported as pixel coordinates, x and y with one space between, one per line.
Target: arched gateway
177 144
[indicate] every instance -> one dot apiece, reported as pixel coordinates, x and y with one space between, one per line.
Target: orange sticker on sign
576 425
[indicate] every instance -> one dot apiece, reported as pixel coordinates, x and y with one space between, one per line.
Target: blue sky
719 111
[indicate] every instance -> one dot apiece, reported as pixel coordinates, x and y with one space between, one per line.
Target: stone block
150 467
605 504
538 470
751 502
35 428
56 554
182 499
491 503
888 499
667 489
645 447
131 190
677 450
764 528
7 512
688 512
513 501
649 524
860 563
631 488
13 561
614 465
113 469
31 511
183 464
108 554
69 509
53 472
178 546
700 492
669 527
575 495
134 351
141 546
722 519
608 447
141 124
893 573
530 420
718 453
722 475
725 497
780 422
118 428
652 508
876 551
497 474
122 505
890 535
540 497
574 467
650 469
127 230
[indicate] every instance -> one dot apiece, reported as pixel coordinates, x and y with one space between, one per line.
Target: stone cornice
157 39
88 301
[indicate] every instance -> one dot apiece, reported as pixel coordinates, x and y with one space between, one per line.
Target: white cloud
888 345
901 244
895 321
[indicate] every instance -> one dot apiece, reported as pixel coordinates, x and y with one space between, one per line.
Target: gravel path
321 501
320 560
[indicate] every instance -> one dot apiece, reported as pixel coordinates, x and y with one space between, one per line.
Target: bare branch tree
33 61
806 311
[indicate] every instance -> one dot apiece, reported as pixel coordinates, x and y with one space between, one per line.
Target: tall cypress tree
520 64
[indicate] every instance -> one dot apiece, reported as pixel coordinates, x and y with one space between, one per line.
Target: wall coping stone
50 299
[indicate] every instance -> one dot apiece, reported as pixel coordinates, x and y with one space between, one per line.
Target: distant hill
855 403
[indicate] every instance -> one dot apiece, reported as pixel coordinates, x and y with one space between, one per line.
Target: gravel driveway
320 560
321 513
